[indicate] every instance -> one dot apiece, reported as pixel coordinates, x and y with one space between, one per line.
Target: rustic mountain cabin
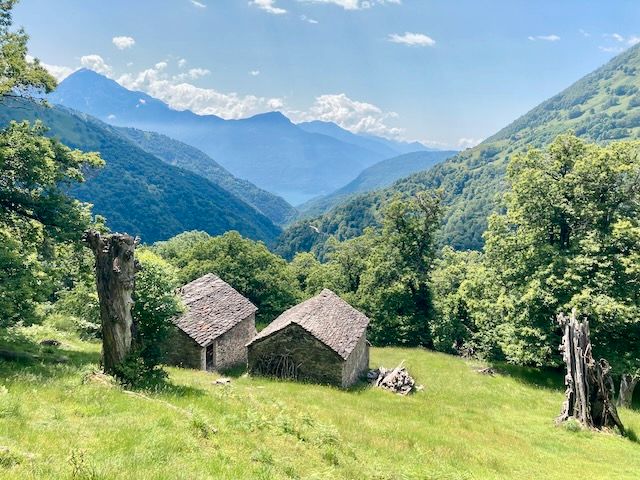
214 331
321 340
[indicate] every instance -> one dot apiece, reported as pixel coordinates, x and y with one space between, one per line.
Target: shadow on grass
549 378
631 435
20 354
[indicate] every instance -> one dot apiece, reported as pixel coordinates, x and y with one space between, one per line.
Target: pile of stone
396 380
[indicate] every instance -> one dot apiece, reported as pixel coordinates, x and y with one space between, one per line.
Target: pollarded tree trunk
115 279
628 384
590 390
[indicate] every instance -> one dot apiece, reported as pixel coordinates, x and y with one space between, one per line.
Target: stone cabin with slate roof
321 340
214 331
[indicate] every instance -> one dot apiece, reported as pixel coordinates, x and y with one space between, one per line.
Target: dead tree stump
590 390
115 280
628 385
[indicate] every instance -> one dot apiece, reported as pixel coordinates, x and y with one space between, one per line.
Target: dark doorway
209 357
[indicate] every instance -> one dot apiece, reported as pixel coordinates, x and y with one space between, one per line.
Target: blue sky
444 72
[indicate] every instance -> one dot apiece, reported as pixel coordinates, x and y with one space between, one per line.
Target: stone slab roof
213 308
328 318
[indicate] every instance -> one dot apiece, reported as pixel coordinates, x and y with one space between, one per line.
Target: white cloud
182 63
584 33
123 42
545 38
111 116
254 73
197 4
268 6
355 116
192 74
304 18
59 72
96 63
615 36
412 39
633 40
468 142
182 95
355 4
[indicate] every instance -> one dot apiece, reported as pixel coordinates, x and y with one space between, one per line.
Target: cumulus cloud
197 4
192 74
96 63
254 73
59 72
412 39
182 62
268 6
544 38
123 42
468 142
355 4
182 95
630 40
353 115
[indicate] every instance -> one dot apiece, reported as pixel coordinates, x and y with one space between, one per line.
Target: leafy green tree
156 304
394 290
35 213
569 238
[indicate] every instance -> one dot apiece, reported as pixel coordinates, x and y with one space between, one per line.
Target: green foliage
248 266
36 214
156 303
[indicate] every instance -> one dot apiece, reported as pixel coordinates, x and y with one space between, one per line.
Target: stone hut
214 331
322 340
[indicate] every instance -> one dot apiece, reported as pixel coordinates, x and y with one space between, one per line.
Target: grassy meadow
60 421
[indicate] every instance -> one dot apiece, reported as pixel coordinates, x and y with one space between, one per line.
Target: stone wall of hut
294 353
357 363
230 348
182 351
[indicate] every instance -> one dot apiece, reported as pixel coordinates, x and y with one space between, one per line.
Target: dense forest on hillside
137 192
185 156
603 106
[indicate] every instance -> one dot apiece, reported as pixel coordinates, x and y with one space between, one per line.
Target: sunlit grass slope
464 425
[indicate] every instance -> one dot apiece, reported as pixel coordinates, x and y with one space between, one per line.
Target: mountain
268 149
602 106
185 156
137 192
380 175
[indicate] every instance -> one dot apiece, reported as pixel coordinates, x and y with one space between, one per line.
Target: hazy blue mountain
380 175
137 192
268 150
190 158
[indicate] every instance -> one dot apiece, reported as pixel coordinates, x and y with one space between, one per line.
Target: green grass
56 424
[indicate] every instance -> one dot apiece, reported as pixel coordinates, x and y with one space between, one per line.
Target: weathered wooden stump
115 280
590 390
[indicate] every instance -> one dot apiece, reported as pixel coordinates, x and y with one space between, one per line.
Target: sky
447 73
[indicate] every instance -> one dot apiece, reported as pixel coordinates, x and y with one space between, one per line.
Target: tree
394 289
35 213
155 305
115 280
570 238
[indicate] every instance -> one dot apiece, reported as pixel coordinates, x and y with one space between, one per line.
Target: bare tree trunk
590 390
627 386
115 280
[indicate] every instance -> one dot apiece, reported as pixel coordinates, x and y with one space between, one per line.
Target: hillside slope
380 175
463 425
268 149
185 156
139 193
602 106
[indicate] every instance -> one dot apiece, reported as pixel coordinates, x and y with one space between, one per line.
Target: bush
155 305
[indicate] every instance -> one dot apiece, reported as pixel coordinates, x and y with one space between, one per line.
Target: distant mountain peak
270 117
